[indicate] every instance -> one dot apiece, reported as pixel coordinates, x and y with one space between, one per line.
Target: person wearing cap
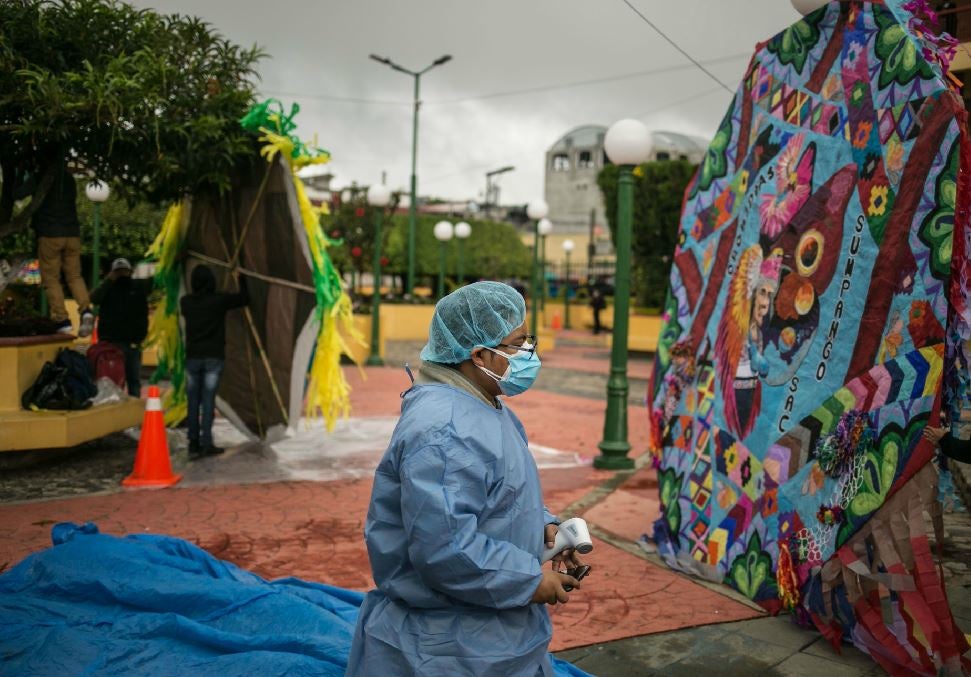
456 525
123 317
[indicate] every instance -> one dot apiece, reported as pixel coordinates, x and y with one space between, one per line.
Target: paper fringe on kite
164 332
328 393
886 570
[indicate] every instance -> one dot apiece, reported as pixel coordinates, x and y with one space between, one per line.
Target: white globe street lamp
378 196
805 7
627 143
443 233
568 247
97 192
462 231
535 210
544 227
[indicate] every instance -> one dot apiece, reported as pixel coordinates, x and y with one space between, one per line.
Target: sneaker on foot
194 450
212 450
87 324
65 327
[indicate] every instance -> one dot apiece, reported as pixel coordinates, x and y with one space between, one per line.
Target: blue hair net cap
479 314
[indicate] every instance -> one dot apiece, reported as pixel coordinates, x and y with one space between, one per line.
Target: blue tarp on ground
157 605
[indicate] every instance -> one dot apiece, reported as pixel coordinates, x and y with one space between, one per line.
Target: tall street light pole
97 192
413 202
545 227
462 232
443 233
535 210
567 249
377 196
627 144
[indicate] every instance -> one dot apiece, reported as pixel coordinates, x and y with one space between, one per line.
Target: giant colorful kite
814 327
283 350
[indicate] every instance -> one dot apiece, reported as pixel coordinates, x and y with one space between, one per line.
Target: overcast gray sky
470 122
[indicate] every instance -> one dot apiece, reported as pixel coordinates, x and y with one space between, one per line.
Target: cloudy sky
523 73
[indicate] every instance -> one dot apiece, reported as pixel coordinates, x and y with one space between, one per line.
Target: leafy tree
658 193
493 251
148 102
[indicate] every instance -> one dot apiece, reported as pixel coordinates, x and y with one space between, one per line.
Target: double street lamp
462 232
413 201
627 144
97 192
535 210
443 233
567 249
377 196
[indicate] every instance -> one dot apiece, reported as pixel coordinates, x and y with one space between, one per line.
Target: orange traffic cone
555 324
153 468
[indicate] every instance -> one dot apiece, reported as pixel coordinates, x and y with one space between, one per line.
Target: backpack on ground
50 391
107 361
78 379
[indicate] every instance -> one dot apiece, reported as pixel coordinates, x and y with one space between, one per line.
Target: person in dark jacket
951 446
123 317
59 247
204 311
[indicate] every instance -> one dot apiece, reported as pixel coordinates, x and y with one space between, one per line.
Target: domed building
572 166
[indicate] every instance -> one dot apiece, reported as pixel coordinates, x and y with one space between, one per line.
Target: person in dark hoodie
123 317
204 311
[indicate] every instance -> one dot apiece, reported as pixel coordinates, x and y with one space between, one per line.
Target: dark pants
597 327
133 366
202 376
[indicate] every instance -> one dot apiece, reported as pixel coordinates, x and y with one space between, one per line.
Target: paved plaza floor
297 507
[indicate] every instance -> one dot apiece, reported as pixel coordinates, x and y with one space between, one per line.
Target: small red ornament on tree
385 260
355 252
359 212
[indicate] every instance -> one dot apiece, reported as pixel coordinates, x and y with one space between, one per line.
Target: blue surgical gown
454 533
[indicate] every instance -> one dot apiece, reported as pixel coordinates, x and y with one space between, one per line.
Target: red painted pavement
559 421
313 530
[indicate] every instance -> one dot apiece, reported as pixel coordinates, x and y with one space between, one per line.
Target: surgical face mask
519 375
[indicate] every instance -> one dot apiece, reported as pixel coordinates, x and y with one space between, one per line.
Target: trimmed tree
658 195
148 102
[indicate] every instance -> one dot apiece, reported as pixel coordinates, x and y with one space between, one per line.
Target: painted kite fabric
813 329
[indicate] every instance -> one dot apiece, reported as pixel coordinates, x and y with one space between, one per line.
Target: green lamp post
545 227
377 196
462 232
568 246
443 233
413 201
627 143
97 192
537 211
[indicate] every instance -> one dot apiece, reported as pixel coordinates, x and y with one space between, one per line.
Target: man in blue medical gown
456 525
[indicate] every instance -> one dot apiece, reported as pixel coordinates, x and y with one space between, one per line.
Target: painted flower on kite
793 184
746 471
853 52
938 227
900 61
878 201
796 43
857 93
870 166
862 134
731 458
